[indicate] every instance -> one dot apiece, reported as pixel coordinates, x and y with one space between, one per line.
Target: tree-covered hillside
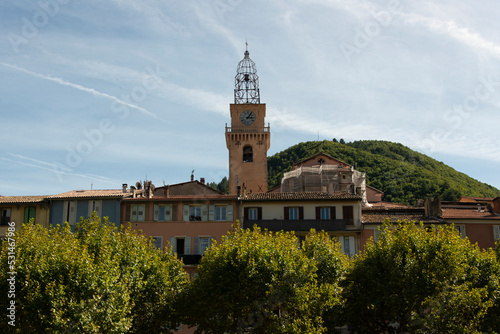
401 173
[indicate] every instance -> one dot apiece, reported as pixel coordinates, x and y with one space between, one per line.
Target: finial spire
246 88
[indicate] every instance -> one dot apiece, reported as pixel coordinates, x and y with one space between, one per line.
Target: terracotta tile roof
91 194
453 213
184 198
22 199
379 215
301 196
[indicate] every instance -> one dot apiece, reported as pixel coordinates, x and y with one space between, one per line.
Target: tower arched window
247 154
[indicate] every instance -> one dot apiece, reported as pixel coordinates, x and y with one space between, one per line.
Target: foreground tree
258 282
92 280
420 281
331 266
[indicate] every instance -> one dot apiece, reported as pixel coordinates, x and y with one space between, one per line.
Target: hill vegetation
402 174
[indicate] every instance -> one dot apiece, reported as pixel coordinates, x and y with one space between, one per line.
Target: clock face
247 117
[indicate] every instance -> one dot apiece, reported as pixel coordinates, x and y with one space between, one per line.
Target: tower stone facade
248 138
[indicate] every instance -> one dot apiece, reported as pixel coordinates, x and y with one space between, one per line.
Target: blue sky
100 93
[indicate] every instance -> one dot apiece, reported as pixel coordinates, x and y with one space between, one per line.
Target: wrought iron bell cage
246 87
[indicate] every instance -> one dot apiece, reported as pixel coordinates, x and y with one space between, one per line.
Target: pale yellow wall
17 216
274 210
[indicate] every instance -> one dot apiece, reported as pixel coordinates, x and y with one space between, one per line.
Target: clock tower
247 139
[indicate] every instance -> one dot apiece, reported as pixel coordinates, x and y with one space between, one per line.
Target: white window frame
204 244
194 217
221 213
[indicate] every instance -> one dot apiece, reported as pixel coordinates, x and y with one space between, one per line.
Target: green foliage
401 173
222 186
260 282
95 280
421 281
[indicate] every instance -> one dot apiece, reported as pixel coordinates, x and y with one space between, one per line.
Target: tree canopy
259 282
422 280
402 174
94 279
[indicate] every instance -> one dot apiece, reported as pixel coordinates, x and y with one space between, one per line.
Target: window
181 245
194 213
461 230
69 212
496 232
204 244
95 206
201 244
220 213
252 214
247 154
5 216
137 212
348 214
29 213
324 213
347 245
163 212
197 212
157 242
293 213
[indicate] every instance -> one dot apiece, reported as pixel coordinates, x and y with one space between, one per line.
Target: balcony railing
189 259
301 224
264 129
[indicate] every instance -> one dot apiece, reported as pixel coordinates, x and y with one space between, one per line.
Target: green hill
401 173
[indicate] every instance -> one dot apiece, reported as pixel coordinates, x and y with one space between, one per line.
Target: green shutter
185 213
156 212
187 246
211 212
196 246
173 244
229 213
204 213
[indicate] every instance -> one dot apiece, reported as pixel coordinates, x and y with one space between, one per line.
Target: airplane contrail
79 87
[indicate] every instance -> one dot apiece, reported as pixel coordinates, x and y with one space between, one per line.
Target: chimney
124 188
166 190
433 206
192 177
202 180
